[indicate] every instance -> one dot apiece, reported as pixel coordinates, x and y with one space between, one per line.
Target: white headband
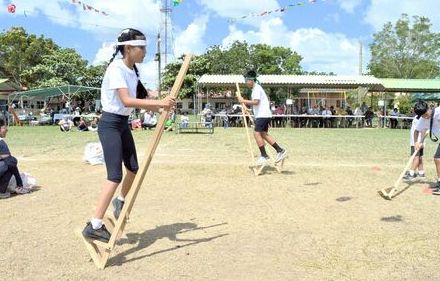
133 43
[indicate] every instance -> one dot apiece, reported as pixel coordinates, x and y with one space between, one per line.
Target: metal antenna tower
167 42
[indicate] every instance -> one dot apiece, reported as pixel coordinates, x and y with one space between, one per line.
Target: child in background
421 120
8 166
263 116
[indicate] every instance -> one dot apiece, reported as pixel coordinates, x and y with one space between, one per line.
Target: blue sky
326 33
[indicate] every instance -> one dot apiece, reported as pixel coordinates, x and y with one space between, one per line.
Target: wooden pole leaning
99 251
389 192
243 112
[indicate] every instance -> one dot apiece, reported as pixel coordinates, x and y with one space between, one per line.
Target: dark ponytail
141 92
117 49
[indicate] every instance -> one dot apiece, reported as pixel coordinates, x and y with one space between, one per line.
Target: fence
320 121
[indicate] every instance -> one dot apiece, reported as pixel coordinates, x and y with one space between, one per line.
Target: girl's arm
154 105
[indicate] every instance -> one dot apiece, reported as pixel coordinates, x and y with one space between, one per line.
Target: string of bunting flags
12 7
279 10
87 7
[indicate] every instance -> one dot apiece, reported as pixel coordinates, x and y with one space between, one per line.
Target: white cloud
379 12
328 52
129 13
323 52
191 39
349 5
148 74
105 53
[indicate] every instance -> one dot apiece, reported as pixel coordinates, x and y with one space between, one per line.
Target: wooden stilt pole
99 251
244 114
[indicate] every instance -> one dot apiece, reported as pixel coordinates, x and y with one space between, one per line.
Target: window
40 104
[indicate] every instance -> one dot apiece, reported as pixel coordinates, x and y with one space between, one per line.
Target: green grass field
352 147
202 215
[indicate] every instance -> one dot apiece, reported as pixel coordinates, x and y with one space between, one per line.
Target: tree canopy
32 61
236 59
405 51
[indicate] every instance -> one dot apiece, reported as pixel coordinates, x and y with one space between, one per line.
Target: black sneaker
117 205
100 234
436 191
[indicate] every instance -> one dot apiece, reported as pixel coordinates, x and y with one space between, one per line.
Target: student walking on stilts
263 116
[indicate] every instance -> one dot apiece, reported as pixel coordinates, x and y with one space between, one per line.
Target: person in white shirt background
420 109
263 115
420 134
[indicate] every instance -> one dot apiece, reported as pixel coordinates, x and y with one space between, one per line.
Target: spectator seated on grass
82 126
65 124
8 166
93 125
150 120
169 125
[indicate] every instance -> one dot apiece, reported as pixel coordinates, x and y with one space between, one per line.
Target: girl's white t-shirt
117 76
262 109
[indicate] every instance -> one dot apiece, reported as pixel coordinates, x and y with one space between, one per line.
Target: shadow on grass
343 198
149 237
312 183
396 218
411 183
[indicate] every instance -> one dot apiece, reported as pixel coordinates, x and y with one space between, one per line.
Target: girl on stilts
121 92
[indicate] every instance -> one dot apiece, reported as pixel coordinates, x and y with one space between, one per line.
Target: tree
62 66
20 51
199 65
275 60
236 59
404 51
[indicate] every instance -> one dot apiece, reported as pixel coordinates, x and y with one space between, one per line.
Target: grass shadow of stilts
149 237
408 185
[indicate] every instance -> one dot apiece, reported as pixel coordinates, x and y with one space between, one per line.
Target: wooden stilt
99 251
258 170
390 192
244 114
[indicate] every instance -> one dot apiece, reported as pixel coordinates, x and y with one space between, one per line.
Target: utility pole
166 31
159 67
360 58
